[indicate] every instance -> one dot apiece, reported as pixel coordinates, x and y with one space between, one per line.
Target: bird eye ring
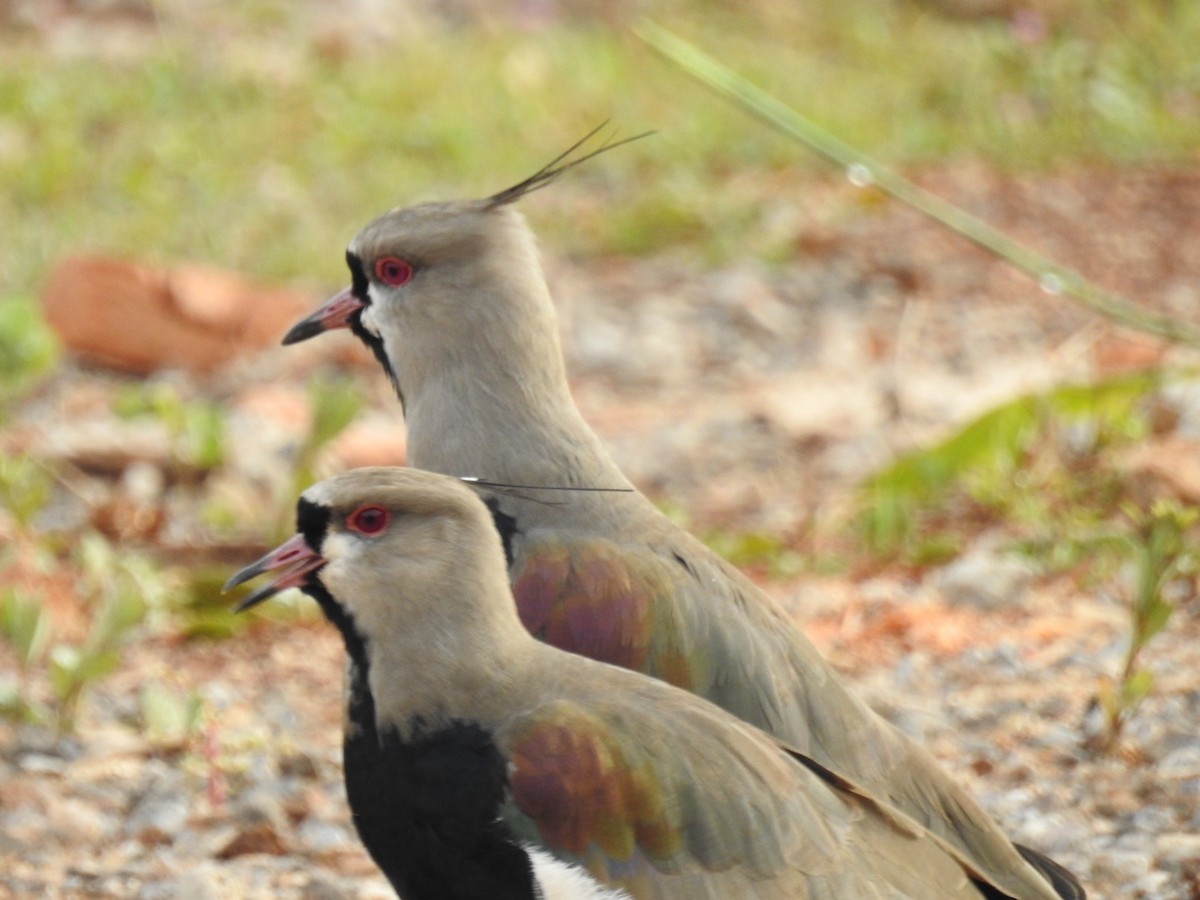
368 520
393 271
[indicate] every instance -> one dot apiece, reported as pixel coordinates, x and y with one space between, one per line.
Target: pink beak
334 313
294 555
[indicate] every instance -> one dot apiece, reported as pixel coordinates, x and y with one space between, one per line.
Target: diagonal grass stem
863 170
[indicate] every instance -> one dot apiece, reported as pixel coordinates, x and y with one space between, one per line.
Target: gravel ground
752 399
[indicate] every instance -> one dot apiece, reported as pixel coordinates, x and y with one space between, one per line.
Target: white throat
558 880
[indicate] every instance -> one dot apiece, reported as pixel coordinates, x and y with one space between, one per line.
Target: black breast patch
428 808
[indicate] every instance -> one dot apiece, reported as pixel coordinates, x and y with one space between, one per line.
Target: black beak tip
302 331
254 599
241 577
251 571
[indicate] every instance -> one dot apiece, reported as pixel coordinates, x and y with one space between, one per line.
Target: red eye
368 519
392 270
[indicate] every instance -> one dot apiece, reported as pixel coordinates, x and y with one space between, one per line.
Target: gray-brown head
433 282
409 567
452 300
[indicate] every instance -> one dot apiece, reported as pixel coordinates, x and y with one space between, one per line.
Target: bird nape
452 300
478 760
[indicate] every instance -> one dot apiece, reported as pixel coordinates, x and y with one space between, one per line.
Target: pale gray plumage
653 790
471 343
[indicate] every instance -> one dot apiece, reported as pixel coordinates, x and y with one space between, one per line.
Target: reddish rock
285 404
1117 352
258 838
129 520
372 442
1168 468
140 319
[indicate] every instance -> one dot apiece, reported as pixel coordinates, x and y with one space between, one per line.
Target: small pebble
42 764
261 804
323 886
298 764
321 837
201 882
77 822
1178 847
985 578
159 815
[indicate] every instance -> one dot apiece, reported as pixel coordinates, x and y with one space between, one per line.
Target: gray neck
502 409
461 424
478 674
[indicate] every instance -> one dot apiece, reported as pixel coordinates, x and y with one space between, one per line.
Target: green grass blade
1053 278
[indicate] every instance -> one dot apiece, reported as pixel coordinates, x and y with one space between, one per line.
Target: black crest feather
522 491
558 165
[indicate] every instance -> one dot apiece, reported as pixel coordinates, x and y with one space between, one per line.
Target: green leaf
25 487
1154 619
204 436
936 549
213 624
1108 702
16 707
73 667
1136 688
97 559
26 625
169 407
335 402
130 401
145 580
167 716
125 613
96 665
65 663
28 348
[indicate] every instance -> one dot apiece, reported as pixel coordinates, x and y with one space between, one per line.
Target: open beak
335 313
294 556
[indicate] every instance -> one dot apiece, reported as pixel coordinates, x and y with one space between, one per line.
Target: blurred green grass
247 140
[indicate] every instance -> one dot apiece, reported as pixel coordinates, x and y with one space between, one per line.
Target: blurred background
977 496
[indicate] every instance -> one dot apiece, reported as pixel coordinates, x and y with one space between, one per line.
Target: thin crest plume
557 166
519 490
471 479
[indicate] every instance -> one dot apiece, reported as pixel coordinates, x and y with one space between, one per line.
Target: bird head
396 558
434 282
